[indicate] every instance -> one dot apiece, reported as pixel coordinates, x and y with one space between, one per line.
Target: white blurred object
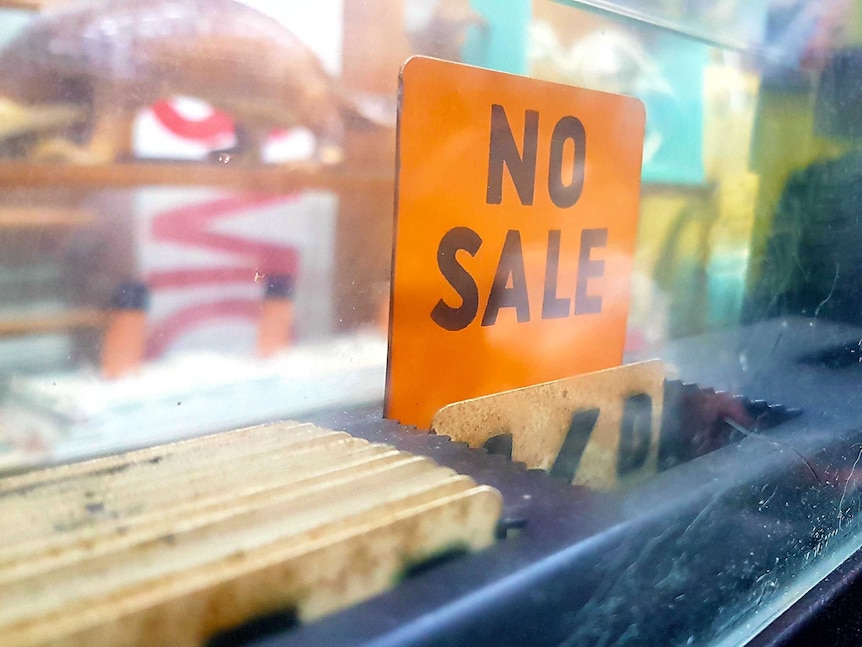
77 414
608 60
614 61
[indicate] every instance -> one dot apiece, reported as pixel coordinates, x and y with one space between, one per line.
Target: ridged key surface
172 544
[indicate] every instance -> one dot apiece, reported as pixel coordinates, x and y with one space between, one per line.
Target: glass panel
196 227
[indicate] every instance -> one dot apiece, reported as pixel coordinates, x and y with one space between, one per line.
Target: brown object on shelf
173 544
125 336
275 328
224 52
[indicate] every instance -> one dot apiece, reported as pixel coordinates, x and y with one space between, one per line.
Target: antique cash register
309 336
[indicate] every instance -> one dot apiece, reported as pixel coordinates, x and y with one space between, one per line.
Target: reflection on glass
196 216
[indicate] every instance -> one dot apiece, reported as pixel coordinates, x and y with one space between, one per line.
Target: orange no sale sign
516 220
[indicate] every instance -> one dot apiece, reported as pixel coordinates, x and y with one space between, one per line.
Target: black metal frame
709 550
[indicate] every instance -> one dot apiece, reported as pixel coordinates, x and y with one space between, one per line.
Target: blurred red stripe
167 331
217 124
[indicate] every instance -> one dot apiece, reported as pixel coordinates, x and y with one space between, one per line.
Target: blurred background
196 211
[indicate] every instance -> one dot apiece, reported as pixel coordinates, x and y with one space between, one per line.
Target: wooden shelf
28 5
37 217
43 322
275 178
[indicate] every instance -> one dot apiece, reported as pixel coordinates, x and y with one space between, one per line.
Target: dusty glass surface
196 225
197 218
745 283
